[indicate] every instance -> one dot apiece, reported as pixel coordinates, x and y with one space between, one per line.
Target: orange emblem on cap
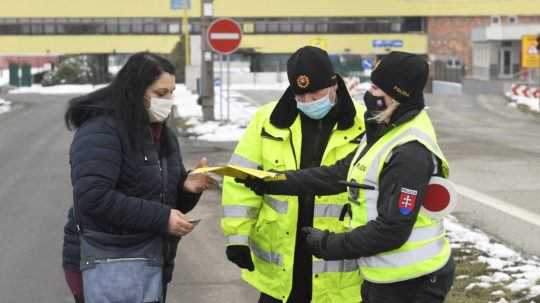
302 81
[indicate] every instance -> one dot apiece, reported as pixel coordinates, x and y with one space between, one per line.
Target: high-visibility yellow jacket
267 224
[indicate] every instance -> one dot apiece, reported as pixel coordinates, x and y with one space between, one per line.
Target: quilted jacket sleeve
96 161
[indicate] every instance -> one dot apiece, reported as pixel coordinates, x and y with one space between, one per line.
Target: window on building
260 27
50 28
309 27
395 27
124 26
137 26
248 27
273 27
195 28
149 26
112 26
100 26
36 26
370 27
322 28
174 28
413 25
162 27
285 27
298 27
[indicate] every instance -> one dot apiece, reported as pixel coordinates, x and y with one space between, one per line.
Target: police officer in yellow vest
403 254
314 123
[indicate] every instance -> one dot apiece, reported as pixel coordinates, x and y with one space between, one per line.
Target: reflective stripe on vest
404 258
327 210
426 249
372 175
322 266
240 211
238 160
237 239
267 256
279 206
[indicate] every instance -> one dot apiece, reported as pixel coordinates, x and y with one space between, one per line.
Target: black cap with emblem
402 75
309 69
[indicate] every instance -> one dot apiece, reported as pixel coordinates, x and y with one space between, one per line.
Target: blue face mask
316 109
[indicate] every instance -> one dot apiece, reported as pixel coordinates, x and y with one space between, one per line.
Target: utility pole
538 68
207 63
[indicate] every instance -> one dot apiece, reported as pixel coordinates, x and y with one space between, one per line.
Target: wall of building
450 37
269 8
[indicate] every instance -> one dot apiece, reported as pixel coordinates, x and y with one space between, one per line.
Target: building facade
448 32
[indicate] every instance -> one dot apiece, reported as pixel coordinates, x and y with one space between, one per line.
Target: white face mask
160 109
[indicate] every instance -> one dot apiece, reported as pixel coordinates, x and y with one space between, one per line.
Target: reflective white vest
427 248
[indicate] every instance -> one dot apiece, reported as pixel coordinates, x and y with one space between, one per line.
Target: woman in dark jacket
120 151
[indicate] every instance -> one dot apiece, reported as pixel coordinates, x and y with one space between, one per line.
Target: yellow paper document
238 172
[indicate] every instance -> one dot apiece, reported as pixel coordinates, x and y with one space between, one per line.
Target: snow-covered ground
240 114
506 266
57 89
532 103
4 77
5 106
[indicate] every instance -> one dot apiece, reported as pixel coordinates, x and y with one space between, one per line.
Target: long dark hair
123 98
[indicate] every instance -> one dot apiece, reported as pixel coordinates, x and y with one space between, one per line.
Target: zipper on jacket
317 142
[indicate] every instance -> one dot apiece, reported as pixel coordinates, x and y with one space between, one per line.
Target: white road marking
505 207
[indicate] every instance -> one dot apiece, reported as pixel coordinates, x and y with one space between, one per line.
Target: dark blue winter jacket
119 190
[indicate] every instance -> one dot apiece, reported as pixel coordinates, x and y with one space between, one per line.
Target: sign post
184 5
224 37
529 56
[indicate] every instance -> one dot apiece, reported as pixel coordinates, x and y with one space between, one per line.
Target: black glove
257 185
325 244
315 240
241 256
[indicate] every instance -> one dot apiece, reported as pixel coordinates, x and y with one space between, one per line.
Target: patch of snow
461 277
5 106
498 293
262 86
4 77
496 277
57 89
532 103
516 272
478 284
240 114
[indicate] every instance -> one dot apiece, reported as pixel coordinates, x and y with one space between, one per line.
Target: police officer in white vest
402 252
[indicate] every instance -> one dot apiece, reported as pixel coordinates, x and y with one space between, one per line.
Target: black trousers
431 288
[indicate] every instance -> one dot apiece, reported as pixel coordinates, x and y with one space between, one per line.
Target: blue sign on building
367 63
180 4
387 43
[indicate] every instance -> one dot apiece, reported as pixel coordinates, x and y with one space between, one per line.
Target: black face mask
374 104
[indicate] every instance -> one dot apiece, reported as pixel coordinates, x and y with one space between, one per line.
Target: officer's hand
241 256
315 240
257 185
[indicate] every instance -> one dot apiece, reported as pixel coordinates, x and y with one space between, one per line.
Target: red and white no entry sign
224 36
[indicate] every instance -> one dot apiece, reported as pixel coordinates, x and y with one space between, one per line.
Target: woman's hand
179 224
197 183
